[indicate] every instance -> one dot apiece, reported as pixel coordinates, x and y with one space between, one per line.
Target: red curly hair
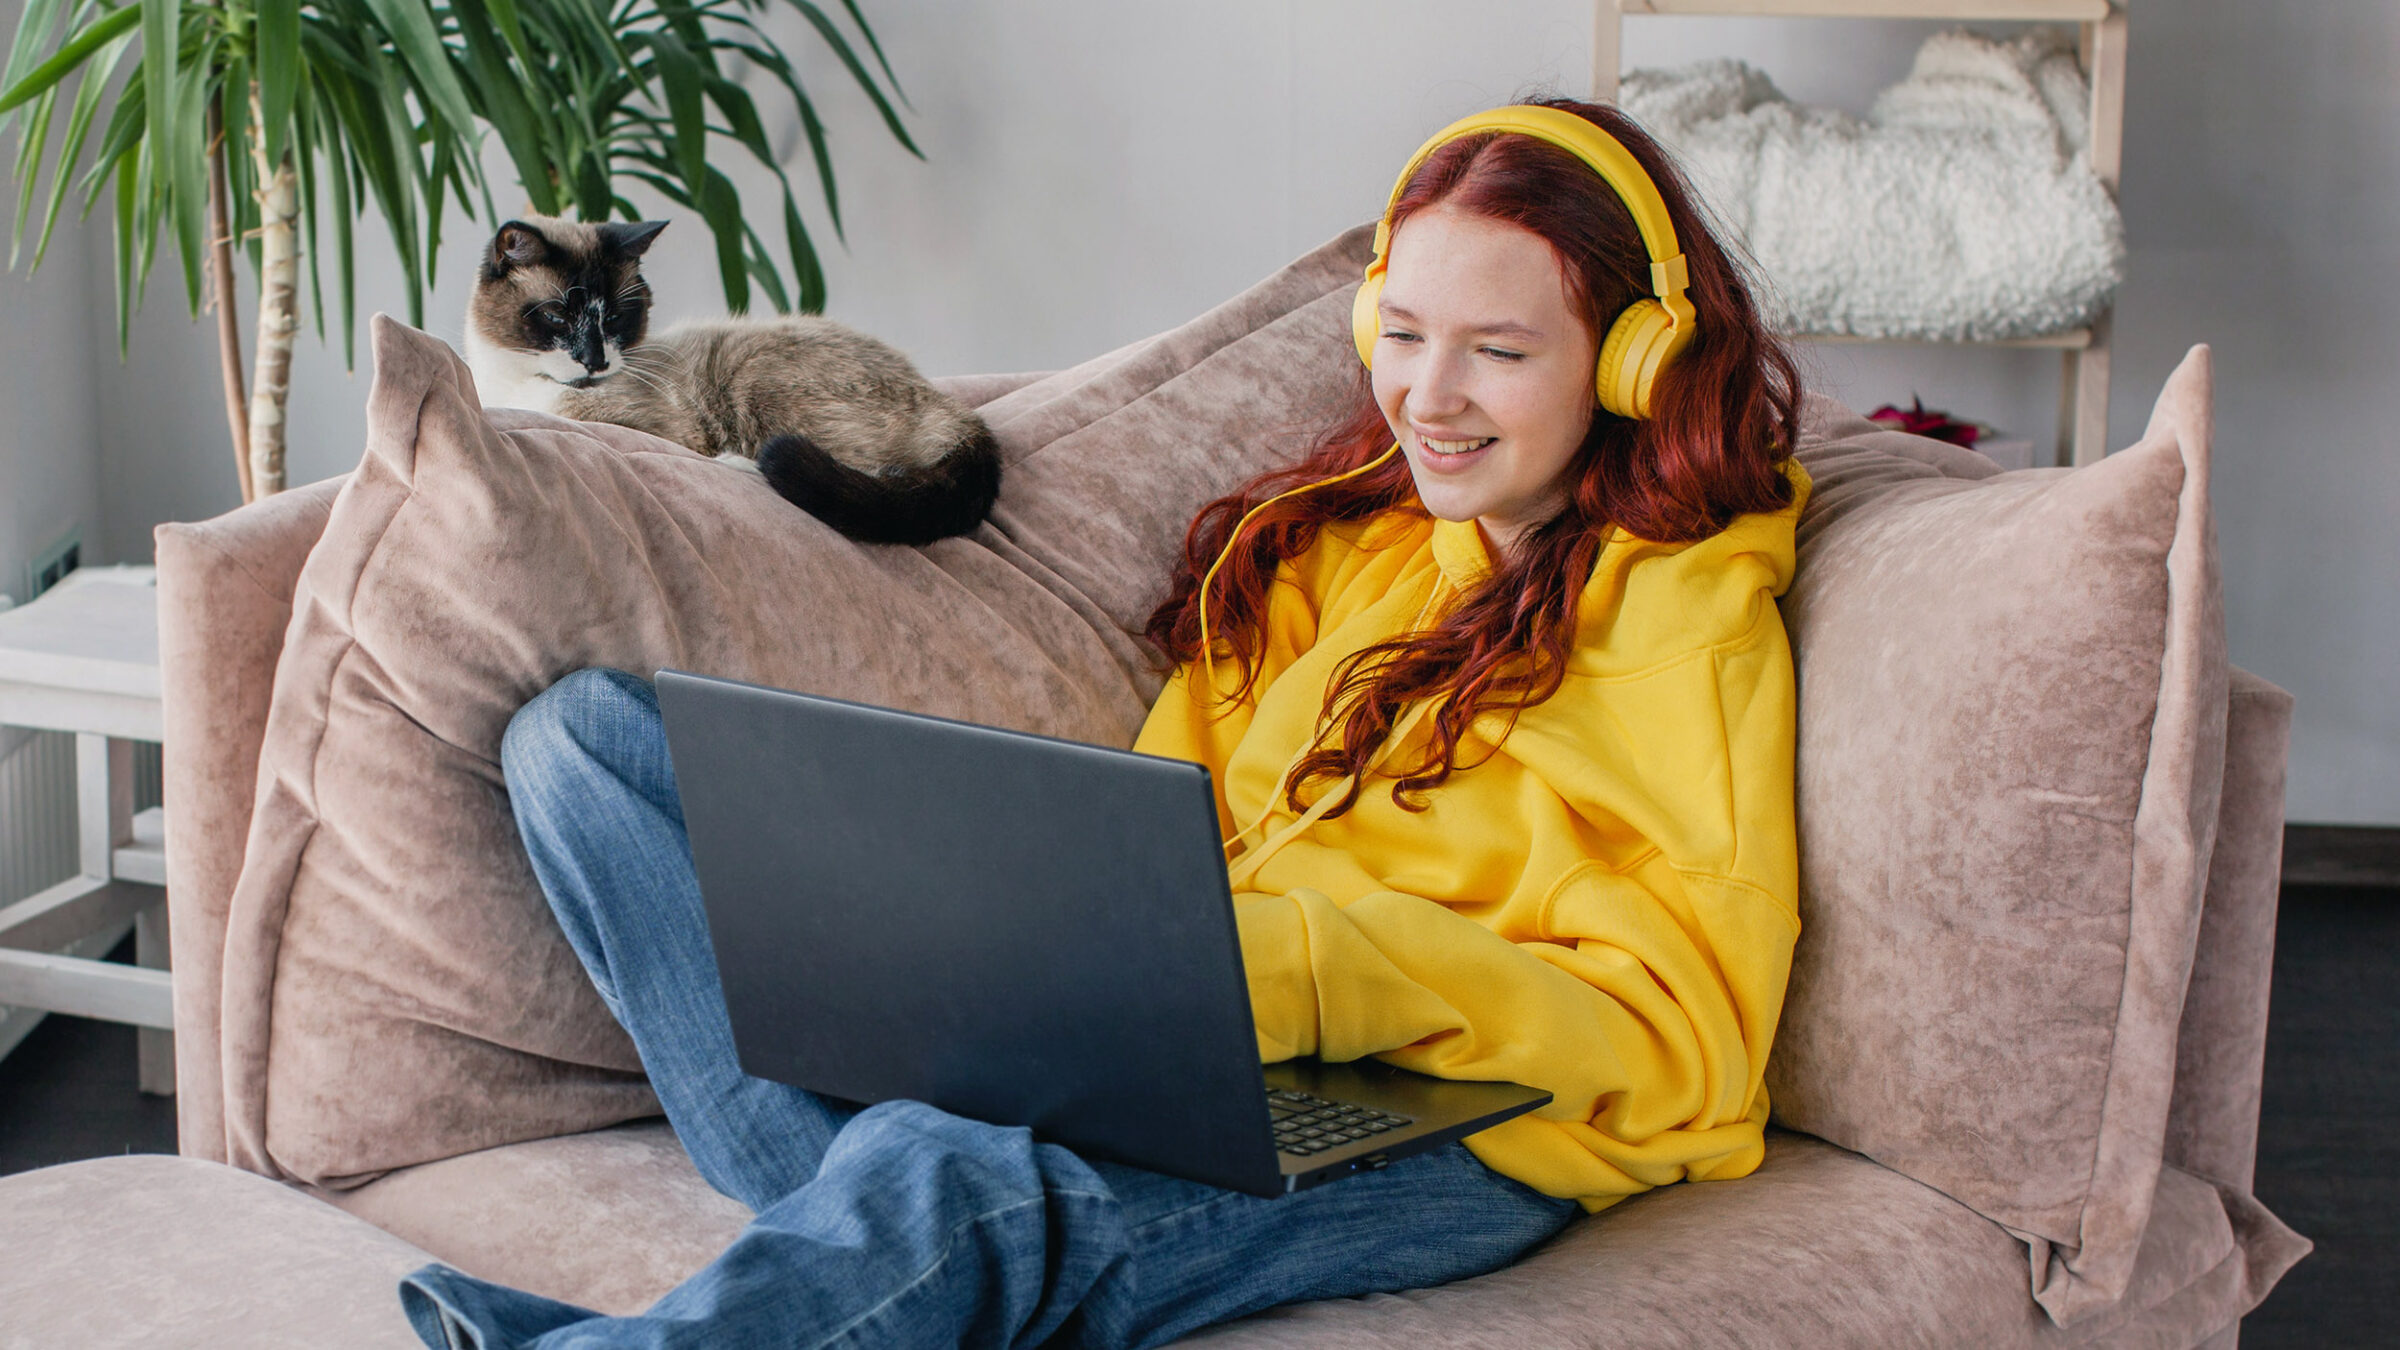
1724 417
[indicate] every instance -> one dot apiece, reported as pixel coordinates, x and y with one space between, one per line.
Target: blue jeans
901 1225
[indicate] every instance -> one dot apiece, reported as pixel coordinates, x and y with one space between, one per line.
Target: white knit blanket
1963 207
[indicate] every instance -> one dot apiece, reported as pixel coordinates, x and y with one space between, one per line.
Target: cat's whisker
653 373
655 383
656 371
627 366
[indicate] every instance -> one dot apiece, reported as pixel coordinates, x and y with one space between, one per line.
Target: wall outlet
50 566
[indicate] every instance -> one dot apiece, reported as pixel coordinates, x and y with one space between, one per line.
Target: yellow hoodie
1602 904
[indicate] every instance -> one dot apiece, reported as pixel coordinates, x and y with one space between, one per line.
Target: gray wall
1101 170
49 477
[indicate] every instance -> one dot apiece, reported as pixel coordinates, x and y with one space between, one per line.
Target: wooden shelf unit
2083 352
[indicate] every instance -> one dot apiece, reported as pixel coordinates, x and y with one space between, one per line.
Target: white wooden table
83 658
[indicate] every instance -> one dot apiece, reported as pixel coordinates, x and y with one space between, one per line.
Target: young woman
1499 708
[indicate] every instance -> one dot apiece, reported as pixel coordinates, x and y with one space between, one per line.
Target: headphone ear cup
1365 323
1642 329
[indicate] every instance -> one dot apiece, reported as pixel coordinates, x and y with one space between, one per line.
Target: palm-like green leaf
841 47
387 102
408 26
36 132
35 28
519 124
187 170
127 184
344 165
876 46
38 79
677 69
279 72
79 126
161 20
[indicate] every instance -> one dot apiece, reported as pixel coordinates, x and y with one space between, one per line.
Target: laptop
1015 929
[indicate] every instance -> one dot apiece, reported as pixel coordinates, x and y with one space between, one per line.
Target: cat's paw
742 462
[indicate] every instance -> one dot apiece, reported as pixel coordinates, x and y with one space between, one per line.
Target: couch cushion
152 1253
394 989
1819 1248
609 1219
2012 722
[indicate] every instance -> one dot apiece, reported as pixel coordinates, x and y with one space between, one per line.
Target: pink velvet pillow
2012 733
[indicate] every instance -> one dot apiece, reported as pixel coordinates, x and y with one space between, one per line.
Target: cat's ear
631 239
516 245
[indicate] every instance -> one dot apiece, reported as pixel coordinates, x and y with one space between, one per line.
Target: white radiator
37 833
38 842
37 811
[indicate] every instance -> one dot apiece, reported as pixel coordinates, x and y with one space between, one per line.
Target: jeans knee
561 721
1001 1238
950 1159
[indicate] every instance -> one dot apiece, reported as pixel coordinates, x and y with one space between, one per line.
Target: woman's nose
1439 389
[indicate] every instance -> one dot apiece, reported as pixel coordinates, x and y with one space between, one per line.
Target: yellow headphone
1649 334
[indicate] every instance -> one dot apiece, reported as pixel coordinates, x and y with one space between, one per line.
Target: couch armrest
2221 1043
224 599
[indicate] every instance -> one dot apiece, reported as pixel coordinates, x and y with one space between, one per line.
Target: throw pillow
2012 728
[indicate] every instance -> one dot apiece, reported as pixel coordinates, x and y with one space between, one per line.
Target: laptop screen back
1015 929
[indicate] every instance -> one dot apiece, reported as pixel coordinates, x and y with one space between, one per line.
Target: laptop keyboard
1306 1124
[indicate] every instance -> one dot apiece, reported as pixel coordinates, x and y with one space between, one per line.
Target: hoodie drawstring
1250 862
1208 655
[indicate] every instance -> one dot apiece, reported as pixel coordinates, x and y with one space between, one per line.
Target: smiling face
1483 369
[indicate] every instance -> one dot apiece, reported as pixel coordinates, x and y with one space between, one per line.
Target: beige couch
2016 1085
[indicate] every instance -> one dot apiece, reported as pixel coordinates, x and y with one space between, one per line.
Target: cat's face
557 302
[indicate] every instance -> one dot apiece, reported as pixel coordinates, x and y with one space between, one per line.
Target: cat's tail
950 496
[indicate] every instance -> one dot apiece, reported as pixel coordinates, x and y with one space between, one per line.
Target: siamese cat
839 423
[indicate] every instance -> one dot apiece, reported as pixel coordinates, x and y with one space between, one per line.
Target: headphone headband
1607 157
1647 336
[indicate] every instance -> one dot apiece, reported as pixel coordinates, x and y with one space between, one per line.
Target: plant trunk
278 307
229 323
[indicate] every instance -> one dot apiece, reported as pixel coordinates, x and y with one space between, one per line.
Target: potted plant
272 124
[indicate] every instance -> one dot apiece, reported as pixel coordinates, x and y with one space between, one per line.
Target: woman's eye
1399 335
1503 354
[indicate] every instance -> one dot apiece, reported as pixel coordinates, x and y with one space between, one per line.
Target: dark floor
2328 1164
68 1092
2329 1130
